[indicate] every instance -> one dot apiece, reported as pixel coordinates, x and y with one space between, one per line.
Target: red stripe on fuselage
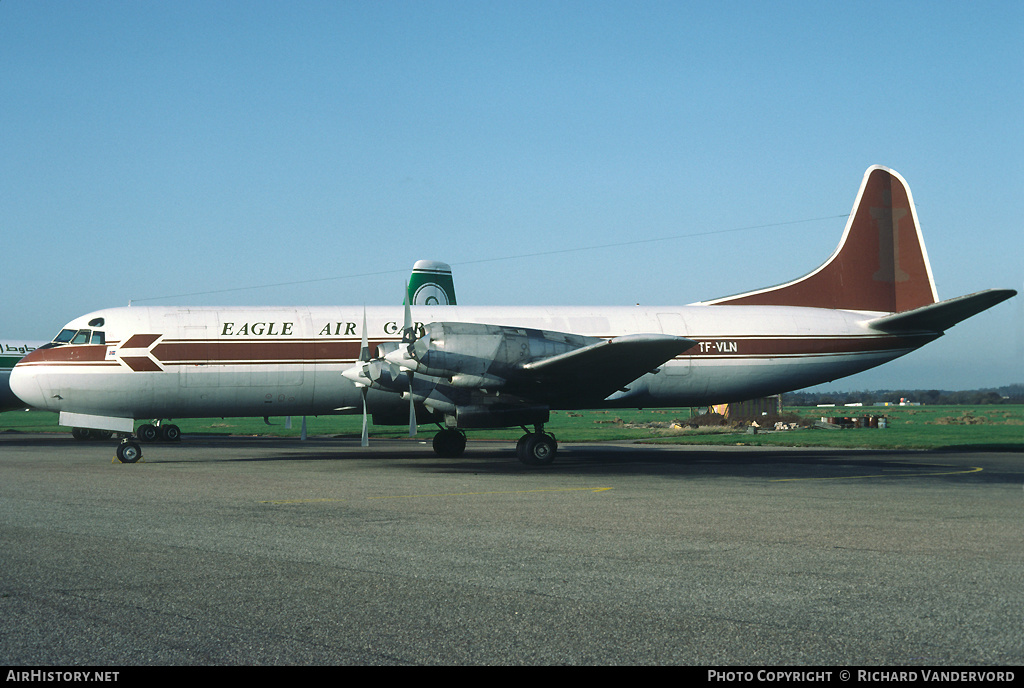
88 354
767 347
142 364
141 341
254 352
184 352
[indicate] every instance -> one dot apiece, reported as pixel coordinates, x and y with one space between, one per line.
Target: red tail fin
880 265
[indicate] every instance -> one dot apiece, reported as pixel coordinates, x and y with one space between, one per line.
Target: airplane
465 367
12 351
430 283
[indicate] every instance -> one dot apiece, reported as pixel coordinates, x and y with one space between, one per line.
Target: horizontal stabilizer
938 317
602 368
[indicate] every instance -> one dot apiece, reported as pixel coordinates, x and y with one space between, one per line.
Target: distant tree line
1010 394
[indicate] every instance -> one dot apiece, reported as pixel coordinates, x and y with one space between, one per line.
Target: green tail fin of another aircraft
431 284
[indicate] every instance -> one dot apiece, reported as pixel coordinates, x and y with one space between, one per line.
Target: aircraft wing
603 368
469 364
938 317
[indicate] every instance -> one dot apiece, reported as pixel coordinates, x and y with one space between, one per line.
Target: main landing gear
161 432
449 443
537 448
88 434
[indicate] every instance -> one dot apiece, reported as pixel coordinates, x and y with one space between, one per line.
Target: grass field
987 427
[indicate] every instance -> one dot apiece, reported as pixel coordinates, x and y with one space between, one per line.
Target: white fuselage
172 362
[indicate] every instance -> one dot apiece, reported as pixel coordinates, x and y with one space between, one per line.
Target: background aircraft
464 367
12 351
431 284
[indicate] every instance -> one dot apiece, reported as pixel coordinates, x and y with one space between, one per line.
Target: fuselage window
98 337
82 337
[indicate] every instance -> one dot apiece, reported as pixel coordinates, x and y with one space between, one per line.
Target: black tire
128 452
147 433
170 433
81 433
537 449
449 444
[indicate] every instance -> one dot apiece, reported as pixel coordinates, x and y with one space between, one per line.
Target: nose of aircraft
25 384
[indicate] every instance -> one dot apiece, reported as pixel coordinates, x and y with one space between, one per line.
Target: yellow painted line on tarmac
474 494
300 501
448 494
973 469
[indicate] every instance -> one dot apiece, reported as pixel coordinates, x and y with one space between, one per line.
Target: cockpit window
78 337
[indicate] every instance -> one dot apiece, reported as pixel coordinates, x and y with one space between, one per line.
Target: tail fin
431 283
880 265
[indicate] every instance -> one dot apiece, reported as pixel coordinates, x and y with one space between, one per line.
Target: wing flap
602 368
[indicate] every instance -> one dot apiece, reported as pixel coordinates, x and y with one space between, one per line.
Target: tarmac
263 551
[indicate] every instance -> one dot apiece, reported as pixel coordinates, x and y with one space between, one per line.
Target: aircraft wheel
449 444
128 452
537 449
81 433
147 433
170 433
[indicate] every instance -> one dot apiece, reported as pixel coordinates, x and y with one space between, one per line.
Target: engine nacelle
500 416
481 355
385 348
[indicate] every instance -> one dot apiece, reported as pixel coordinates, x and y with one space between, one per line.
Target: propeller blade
407 325
365 441
364 359
412 409
358 372
364 349
409 338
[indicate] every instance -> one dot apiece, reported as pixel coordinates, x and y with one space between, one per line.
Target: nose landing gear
128 451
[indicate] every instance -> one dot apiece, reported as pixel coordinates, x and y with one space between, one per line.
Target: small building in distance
765 407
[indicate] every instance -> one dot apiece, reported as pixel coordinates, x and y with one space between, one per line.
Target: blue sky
318 149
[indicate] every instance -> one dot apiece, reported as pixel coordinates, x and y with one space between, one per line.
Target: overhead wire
518 256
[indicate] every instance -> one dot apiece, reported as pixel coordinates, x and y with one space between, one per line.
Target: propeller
409 338
359 374
386 370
